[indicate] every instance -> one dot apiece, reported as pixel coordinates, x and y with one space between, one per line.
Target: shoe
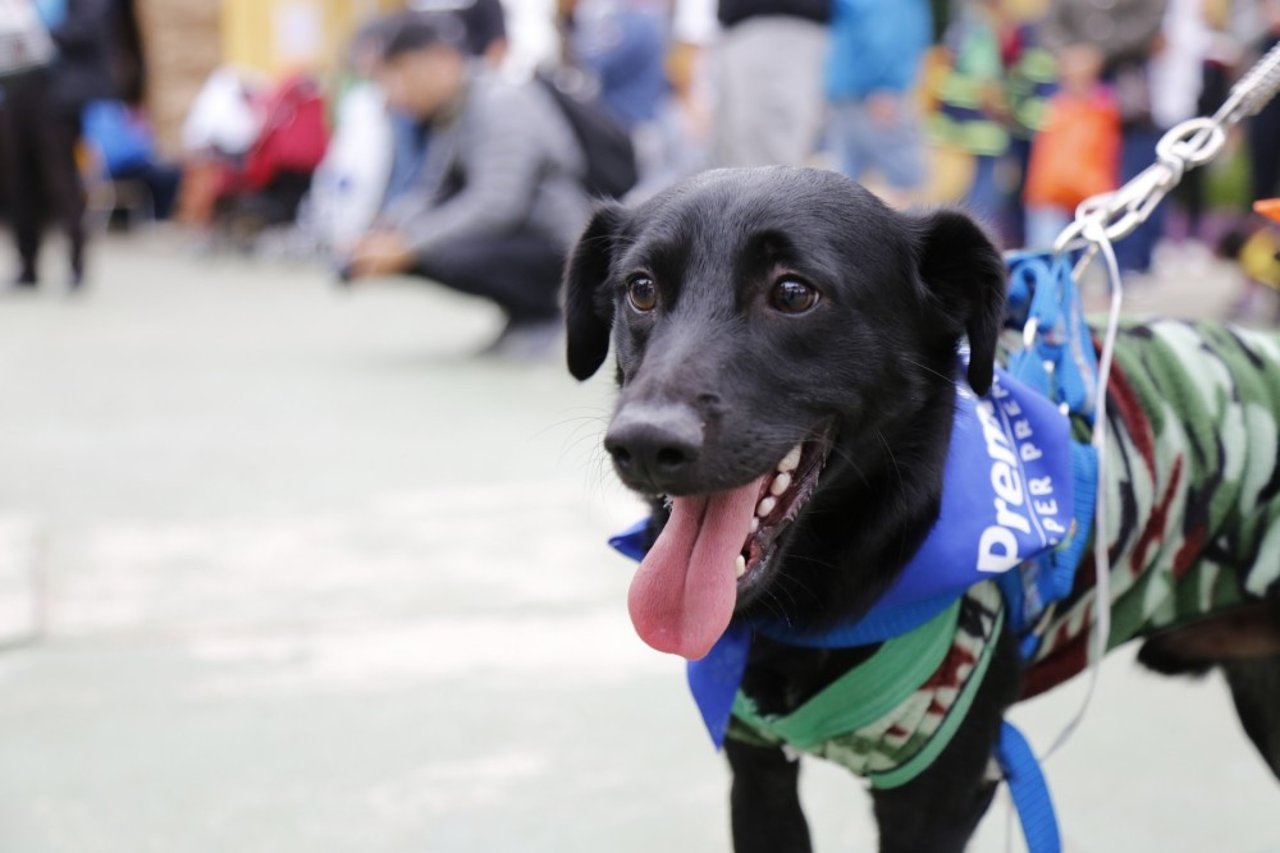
77 266
528 341
25 284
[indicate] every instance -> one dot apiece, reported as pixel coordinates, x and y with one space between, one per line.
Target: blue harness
1018 493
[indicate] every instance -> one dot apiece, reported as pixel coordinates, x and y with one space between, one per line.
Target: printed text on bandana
1022 504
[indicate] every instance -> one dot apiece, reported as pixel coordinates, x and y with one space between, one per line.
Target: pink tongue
683 595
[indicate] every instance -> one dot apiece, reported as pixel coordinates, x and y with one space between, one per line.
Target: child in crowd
1076 155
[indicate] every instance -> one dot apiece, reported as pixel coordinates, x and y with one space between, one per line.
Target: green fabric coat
1193 487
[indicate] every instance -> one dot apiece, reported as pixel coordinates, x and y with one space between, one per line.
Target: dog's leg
938 811
765 800
1255 687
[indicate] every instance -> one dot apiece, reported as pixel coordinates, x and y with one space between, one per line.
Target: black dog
786 349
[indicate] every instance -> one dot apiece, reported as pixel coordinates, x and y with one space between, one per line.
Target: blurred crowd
431 154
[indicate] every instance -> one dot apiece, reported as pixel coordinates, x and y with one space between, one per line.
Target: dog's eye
642 293
793 296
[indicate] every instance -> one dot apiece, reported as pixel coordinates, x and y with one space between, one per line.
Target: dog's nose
654 445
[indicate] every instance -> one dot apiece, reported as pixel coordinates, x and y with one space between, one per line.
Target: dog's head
779 332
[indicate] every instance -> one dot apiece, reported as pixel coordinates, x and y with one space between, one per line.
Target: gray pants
769 92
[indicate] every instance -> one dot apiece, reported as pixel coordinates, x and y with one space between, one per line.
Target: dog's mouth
717 547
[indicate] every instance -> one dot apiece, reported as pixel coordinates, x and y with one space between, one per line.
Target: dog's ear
965 273
588 310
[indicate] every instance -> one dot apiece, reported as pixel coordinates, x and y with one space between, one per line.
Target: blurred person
219 129
266 188
974 110
351 184
1122 37
41 128
1224 51
621 45
498 197
1030 80
769 101
484 37
694 29
1177 66
1177 77
122 139
877 47
1264 128
485 22
677 144
1253 243
1076 154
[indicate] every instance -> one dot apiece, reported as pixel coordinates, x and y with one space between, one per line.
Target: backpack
606 145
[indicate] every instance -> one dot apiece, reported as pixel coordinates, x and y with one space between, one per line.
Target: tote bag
24 39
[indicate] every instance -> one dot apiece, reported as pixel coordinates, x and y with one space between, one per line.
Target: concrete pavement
314 580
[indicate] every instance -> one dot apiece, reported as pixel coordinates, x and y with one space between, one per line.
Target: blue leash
1029 790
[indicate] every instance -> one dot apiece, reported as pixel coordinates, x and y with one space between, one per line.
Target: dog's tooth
791 460
780 484
755 523
766 506
741 565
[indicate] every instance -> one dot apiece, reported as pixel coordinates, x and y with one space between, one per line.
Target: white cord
1100 635
1111 216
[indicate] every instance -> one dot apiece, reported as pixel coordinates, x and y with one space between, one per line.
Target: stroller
265 187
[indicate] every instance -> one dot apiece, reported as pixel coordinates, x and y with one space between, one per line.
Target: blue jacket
876 45
625 49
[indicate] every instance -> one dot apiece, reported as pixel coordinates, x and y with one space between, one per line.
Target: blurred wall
184 40
181 45
281 36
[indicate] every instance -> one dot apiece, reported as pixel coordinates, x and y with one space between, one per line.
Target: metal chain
1099 221
1188 145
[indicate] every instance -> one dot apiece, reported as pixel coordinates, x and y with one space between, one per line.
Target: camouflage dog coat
1192 483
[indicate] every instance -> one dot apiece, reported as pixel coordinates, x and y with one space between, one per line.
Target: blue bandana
1007 499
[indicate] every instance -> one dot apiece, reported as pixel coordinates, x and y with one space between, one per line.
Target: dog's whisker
774 605
576 421
800 558
575 441
789 585
573 444
926 368
793 580
857 469
893 459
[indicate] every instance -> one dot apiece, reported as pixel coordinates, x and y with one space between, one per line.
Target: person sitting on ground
499 197
485 38
485 23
